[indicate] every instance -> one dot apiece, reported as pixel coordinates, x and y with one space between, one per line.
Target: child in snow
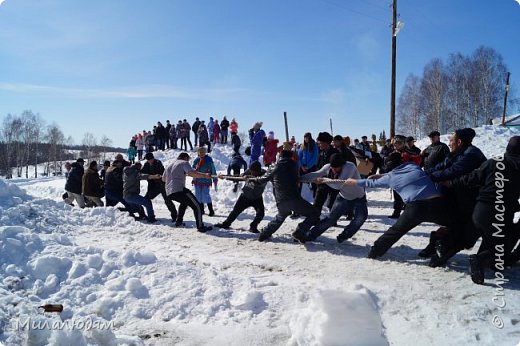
236 163
204 164
270 149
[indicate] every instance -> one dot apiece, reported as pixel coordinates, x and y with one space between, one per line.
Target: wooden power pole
394 47
505 99
286 127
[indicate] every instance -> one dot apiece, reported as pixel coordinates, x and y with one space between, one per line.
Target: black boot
395 214
476 269
201 208
210 207
223 225
429 250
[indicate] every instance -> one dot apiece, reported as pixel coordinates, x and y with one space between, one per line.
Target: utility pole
286 127
331 131
394 47
505 100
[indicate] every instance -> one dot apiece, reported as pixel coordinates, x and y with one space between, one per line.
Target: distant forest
464 91
26 141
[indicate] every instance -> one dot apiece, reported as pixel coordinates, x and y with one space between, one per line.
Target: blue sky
117 67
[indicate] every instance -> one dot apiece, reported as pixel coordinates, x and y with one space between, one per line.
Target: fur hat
148 156
466 135
324 137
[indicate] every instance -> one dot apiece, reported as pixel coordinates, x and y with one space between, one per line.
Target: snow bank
491 139
338 317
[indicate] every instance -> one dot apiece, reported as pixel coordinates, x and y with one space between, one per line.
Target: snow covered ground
139 284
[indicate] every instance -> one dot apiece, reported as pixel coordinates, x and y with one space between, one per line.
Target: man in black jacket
195 129
153 166
436 152
392 161
284 177
167 134
324 191
74 182
463 159
498 184
342 148
224 126
114 186
251 196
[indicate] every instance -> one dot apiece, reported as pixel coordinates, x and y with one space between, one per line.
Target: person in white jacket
139 143
349 199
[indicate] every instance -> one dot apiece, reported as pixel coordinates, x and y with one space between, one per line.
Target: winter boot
204 229
372 253
342 237
264 236
429 250
476 270
202 208
395 214
253 229
223 225
210 207
299 236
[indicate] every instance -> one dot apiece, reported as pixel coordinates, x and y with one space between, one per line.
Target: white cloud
518 1
1 2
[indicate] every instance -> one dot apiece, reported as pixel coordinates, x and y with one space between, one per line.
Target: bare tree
433 88
89 142
105 142
409 113
9 133
54 138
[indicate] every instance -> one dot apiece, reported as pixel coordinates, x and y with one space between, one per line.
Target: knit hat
80 160
338 138
434 133
513 147
337 160
410 139
255 166
202 150
466 135
270 135
324 137
148 156
287 146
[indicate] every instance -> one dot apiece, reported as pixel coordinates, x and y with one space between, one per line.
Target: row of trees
26 141
466 91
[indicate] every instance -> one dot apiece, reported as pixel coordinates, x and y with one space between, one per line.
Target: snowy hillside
143 284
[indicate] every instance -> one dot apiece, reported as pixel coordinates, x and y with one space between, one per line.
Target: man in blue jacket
423 203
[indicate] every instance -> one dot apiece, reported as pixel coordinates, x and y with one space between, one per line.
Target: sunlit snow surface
161 285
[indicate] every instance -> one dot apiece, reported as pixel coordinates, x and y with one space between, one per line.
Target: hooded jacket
92 184
131 181
284 177
254 189
456 165
75 179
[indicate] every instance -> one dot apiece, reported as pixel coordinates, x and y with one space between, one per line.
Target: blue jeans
145 202
340 207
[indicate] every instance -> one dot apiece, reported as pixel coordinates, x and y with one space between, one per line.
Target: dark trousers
196 140
187 199
112 198
398 201
342 206
167 142
323 192
154 192
435 210
299 206
503 238
242 204
140 154
173 140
